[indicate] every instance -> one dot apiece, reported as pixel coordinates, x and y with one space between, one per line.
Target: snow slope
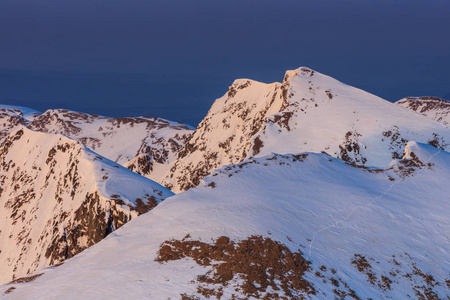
435 108
307 112
367 233
58 198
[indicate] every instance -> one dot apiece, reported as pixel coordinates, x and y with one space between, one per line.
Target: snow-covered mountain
307 112
13 116
435 108
119 139
306 226
304 189
57 198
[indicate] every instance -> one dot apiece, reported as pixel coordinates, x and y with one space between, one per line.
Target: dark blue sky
172 58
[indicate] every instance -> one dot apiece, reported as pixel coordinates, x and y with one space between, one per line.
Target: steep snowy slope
307 112
12 116
58 198
118 139
435 108
280 227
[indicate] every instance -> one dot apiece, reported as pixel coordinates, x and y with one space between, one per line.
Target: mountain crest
118 139
58 198
307 112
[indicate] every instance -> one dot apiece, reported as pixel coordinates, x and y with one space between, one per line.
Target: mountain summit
307 112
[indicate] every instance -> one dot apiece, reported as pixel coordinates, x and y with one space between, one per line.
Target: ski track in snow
358 207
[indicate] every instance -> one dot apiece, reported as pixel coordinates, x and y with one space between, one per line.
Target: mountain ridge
307 112
59 198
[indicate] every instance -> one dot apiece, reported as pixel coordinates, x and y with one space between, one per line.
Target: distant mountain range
303 189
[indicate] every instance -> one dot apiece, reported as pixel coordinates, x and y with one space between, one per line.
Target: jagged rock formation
141 164
57 198
118 139
13 116
308 111
224 135
435 108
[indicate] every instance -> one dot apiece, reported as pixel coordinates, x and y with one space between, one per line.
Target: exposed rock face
57 198
435 108
307 112
118 139
225 135
92 222
141 164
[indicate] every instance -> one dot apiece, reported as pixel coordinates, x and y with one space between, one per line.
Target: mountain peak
307 112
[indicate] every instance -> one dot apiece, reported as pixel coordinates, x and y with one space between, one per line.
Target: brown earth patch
255 266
